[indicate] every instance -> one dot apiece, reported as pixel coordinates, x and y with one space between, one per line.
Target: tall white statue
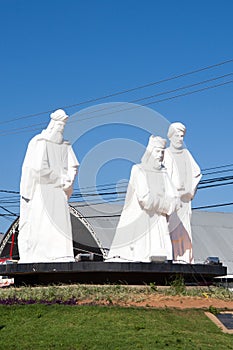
142 232
185 175
48 173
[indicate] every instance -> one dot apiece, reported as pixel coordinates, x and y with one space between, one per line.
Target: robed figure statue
142 233
48 173
185 175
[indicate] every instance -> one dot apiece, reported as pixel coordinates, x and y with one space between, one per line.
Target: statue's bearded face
158 155
177 139
56 131
59 127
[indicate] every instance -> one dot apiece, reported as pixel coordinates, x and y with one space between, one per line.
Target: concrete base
99 272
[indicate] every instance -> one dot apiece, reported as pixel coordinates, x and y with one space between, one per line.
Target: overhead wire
218 172
24 127
215 185
157 101
29 129
213 206
216 179
104 189
182 87
118 215
202 182
146 85
106 108
124 91
10 213
124 183
108 186
218 167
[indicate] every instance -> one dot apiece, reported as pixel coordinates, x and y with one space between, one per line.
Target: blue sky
57 53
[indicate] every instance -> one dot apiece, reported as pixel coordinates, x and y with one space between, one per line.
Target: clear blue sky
61 52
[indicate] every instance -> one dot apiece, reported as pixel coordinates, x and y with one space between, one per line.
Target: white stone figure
185 175
142 232
48 173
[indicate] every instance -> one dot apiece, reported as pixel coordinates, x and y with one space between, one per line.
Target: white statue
142 232
185 175
48 173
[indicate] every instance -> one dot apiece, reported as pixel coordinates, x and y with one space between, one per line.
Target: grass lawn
64 327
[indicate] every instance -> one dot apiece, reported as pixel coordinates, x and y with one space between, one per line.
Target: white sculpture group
155 221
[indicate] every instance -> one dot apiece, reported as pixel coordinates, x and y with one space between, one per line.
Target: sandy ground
161 301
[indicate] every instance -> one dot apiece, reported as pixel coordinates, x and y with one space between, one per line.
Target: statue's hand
67 185
66 181
68 191
186 197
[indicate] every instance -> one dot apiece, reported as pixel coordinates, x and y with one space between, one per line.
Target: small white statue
142 232
185 175
48 173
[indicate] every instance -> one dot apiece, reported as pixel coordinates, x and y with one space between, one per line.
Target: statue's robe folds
185 175
142 231
45 233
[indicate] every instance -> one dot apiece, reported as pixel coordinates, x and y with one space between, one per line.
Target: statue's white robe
185 175
142 231
45 233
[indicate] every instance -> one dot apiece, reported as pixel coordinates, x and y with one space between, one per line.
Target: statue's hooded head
154 153
59 116
55 129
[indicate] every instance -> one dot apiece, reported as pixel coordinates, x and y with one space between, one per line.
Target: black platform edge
93 272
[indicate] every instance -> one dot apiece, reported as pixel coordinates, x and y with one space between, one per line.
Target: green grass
94 327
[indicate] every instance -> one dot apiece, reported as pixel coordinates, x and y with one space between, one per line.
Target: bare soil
162 301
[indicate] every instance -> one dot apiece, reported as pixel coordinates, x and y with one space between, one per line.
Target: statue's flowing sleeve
196 174
73 164
36 168
141 188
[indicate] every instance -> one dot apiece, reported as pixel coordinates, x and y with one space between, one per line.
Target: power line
112 185
19 130
118 215
8 219
218 172
196 208
23 128
7 191
216 179
124 91
83 195
183 87
104 188
213 206
187 93
9 213
105 191
29 129
107 108
215 185
218 167
154 102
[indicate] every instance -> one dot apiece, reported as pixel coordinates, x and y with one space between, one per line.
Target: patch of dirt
185 302
162 301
